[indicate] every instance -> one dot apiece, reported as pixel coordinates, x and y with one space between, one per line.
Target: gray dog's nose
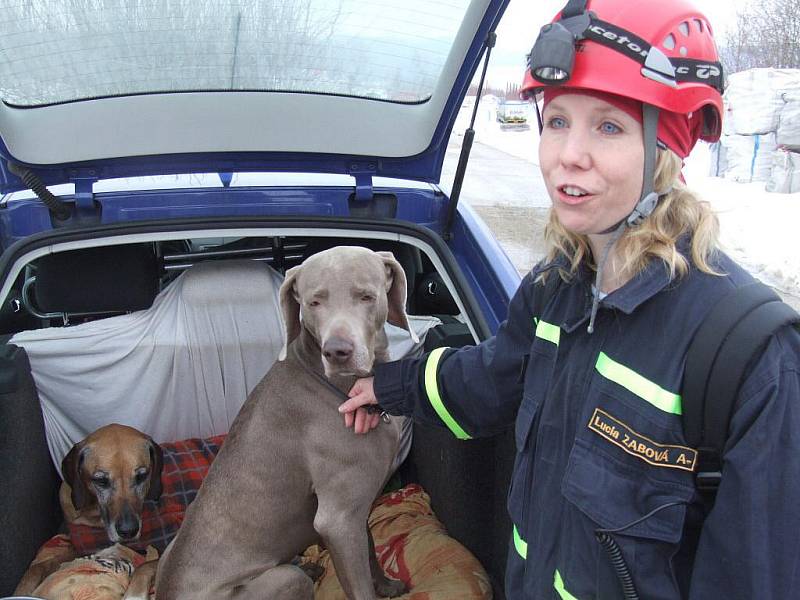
338 350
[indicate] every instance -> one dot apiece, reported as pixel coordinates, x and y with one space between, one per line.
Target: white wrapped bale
753 99
718 161
748 157
785 176
788 132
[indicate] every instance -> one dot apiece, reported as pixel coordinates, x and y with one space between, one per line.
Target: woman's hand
356 414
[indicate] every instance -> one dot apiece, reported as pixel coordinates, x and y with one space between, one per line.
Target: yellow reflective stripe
644 388
520 544
548 331
562 591
432 389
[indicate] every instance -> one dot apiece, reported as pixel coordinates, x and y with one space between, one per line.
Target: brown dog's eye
101 481
141 477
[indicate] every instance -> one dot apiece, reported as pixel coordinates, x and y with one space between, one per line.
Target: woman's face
591 155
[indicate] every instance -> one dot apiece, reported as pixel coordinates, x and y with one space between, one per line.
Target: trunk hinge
363 173
86 208
59 210
469 136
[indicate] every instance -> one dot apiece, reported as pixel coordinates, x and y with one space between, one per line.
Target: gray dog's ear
156 466
71 472
396 292
290 308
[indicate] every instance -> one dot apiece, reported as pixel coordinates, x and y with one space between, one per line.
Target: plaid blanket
186 464
411 544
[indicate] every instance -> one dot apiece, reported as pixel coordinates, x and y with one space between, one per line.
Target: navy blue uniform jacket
600 444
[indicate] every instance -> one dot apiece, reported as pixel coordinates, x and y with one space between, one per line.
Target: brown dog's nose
338 350
127 527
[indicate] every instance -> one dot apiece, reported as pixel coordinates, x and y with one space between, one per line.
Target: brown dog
107 478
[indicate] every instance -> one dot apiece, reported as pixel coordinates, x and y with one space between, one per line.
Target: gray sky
523 18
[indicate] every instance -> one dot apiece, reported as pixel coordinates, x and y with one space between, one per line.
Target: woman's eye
367 298
313 303
556 123
609 128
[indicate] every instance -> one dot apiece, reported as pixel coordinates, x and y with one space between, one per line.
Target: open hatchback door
140 140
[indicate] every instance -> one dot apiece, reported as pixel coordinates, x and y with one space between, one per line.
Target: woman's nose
575 149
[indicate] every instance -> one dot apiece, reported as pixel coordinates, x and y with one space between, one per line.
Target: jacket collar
576 305
654 278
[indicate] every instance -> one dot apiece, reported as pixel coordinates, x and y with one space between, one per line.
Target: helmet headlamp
553 54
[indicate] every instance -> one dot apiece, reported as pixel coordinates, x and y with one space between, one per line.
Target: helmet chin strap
645 206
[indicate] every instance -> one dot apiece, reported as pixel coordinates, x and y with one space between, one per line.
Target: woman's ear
290 308
396 292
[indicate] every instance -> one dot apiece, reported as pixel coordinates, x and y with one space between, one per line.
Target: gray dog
289 473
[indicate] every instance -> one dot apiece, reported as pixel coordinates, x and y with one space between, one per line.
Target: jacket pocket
539 366
642 514
617 496
537 375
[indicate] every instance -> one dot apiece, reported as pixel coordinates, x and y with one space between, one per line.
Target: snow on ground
758 229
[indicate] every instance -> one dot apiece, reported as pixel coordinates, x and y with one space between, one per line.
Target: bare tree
766 34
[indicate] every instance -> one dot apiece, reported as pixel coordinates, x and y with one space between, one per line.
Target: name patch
660 455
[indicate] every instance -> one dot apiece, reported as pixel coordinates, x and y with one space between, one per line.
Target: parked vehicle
137 140
513 114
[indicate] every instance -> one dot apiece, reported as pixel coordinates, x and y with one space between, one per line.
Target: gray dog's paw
390 588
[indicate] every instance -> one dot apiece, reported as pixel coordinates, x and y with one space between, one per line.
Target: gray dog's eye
313 303
368 298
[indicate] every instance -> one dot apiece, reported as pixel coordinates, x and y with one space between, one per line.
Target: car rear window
54 51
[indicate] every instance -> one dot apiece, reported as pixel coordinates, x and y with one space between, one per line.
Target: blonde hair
679 212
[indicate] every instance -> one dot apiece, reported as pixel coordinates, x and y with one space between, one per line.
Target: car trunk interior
55 287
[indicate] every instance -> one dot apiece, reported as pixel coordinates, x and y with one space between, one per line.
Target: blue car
140 139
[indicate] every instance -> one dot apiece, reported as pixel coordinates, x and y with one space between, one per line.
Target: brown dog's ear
156 466
71 472
290 308
396 292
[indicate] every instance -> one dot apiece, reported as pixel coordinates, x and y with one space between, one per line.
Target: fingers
352 404
360 394
362 421
355 415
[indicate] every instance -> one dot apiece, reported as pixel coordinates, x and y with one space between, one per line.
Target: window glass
63 50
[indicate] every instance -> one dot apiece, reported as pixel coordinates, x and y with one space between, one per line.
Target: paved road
509 194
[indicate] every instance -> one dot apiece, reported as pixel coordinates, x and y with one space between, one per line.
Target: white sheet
181 368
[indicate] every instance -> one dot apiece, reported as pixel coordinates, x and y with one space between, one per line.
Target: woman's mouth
572 194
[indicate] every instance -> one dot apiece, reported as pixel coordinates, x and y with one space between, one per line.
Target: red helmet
620 48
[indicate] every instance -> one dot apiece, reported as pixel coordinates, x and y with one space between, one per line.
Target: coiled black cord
57 208
618 563
609 544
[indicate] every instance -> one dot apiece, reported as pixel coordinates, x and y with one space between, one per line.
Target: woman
603 496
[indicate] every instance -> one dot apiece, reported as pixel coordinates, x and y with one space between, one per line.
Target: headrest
239 281
94 280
